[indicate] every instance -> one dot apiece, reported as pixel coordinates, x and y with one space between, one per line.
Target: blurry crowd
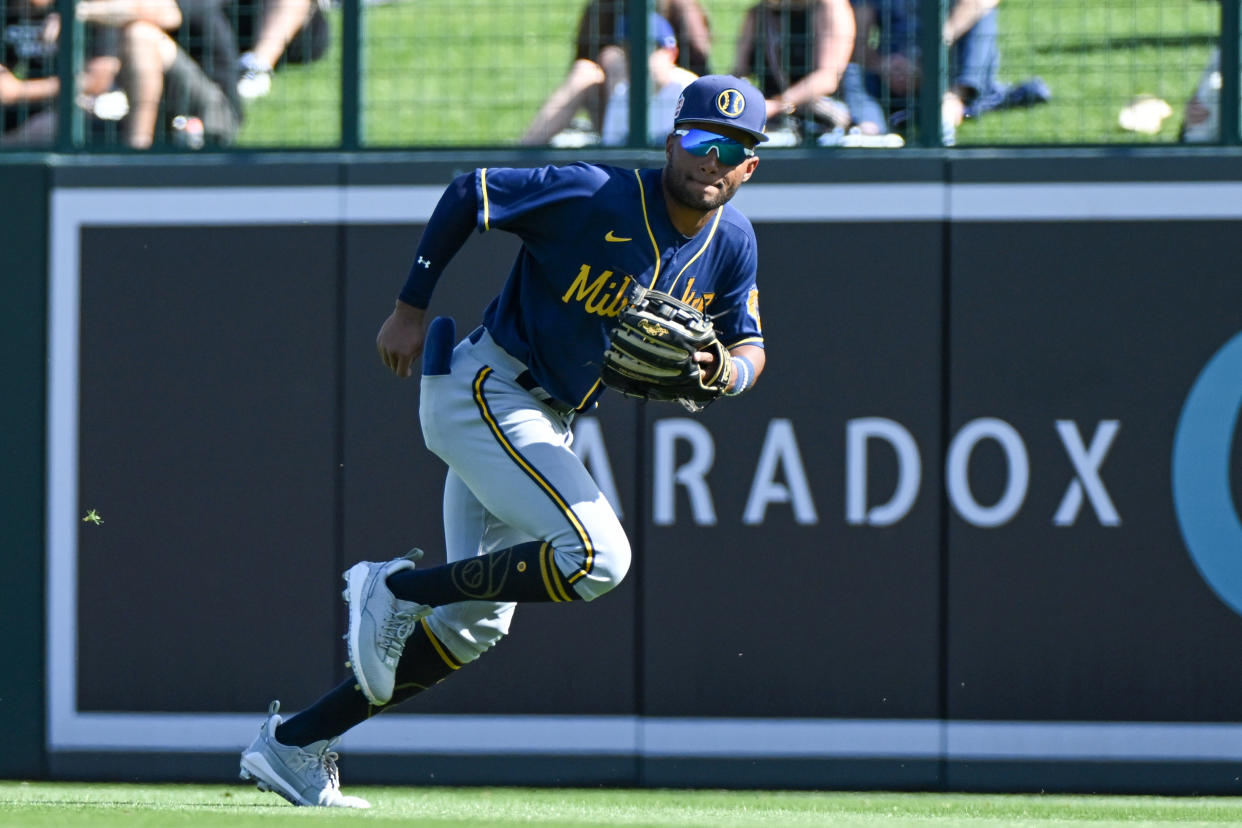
834 72
169 71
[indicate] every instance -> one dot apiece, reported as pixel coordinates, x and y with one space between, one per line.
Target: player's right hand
400 339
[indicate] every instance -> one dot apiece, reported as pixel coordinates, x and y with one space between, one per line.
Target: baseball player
524 520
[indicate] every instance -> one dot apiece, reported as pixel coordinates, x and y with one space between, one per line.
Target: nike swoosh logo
613 238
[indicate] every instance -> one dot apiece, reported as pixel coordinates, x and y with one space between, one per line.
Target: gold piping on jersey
551 575
655 277
453 663
486 206
588 548
642 198
750 340
583 401
706 242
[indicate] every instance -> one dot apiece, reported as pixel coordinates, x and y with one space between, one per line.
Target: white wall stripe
789 738
706 738
389 205
533 735
62 469
199 206
1130 741
1096 201
932 201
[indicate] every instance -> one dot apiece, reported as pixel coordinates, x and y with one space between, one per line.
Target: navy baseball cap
661 33
725 100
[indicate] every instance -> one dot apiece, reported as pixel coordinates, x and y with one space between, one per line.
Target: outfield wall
975 530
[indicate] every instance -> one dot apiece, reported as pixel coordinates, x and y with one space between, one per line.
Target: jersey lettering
605 296
699 303
694 300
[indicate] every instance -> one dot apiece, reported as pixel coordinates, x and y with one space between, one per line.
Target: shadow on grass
137 805
1106 43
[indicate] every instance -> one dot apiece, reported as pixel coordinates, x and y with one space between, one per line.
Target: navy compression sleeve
447 230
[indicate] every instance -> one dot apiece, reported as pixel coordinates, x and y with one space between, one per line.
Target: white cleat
302 775
379 624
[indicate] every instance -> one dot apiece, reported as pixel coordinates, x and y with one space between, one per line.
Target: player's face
704 182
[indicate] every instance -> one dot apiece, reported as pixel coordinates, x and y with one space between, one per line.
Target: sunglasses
700 142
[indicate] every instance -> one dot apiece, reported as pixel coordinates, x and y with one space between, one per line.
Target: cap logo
731 103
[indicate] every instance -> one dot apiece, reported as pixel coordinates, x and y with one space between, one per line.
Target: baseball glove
652 347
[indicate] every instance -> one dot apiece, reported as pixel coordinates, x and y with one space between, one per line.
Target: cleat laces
397 628
320 767
327 761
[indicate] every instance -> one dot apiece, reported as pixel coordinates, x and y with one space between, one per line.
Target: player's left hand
704 359
401 337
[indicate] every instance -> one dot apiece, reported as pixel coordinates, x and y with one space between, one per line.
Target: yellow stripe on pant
588 549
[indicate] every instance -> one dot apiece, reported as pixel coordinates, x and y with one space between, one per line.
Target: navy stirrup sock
526 572
424 663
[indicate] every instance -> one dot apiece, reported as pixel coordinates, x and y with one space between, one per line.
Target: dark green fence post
931 89
637 30
1230 73
68 124
351 75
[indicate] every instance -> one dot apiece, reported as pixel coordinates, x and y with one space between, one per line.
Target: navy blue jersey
589 233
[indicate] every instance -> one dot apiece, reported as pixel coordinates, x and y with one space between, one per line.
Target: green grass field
1097 56
30 805
466 73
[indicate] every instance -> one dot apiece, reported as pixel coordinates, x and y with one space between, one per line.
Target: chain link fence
384 74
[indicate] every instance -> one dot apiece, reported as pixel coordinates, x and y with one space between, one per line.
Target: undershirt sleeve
450 225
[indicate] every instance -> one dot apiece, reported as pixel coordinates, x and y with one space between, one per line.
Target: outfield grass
1097 56
31 805
470 73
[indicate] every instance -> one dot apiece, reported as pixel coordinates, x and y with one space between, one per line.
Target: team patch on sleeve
752 308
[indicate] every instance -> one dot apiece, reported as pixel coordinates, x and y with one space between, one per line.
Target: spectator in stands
667 80
274 32
693 31
600 61
796 51
881 85
30 87
28 82
1201 120
187 71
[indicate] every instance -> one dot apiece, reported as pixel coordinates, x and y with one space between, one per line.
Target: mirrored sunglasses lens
731 154
700 143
